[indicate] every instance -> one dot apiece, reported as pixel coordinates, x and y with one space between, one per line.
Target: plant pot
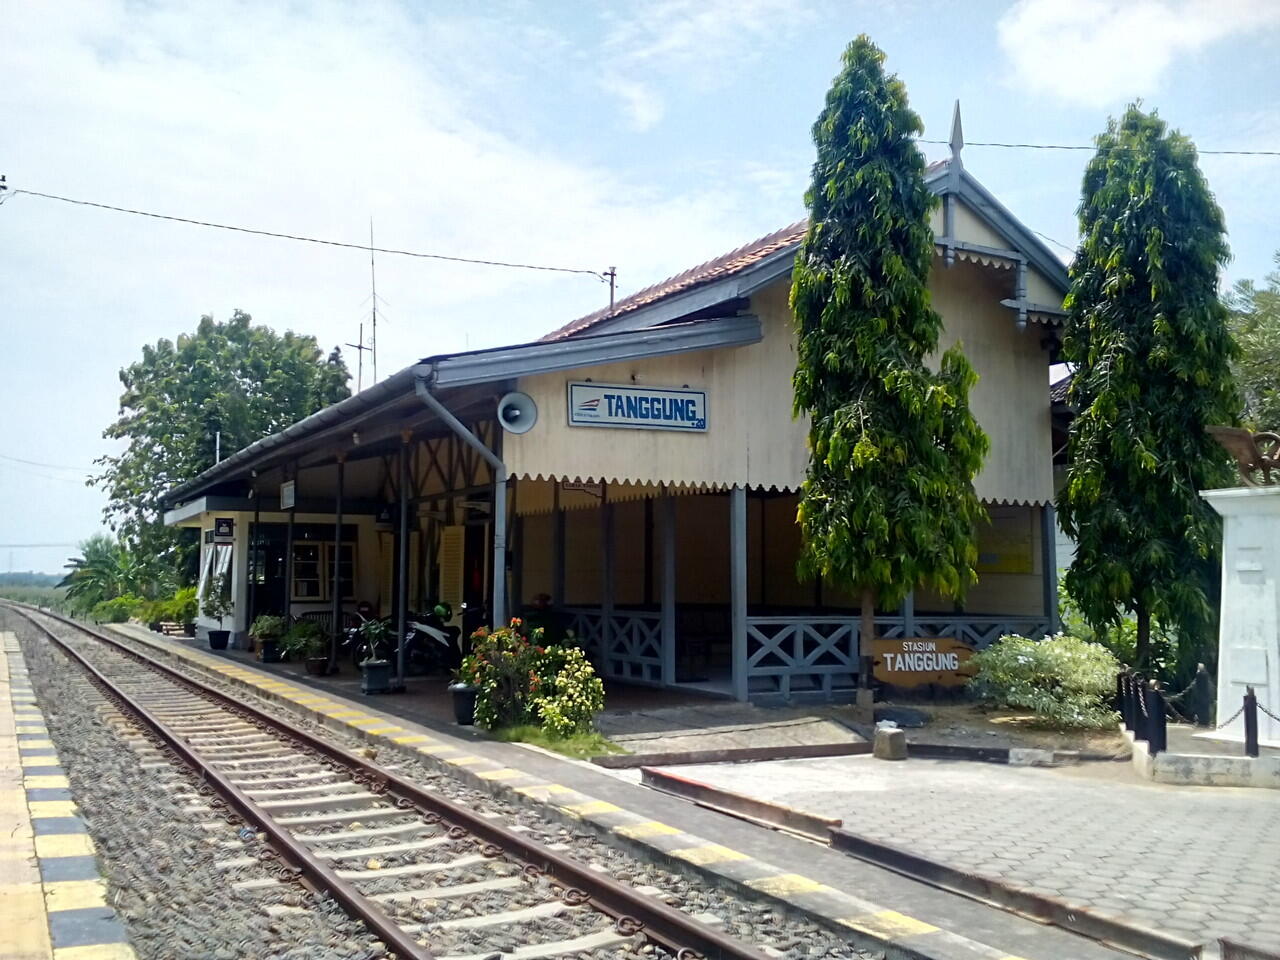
270 651
218 639
464 703
189 630
375 676
155 626
317 666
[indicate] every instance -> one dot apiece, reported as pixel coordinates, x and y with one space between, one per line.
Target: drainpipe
497 615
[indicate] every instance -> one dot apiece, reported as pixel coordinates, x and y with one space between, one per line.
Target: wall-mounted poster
1007 543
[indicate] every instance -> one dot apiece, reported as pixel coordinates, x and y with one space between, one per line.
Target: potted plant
466 682
305 641
185 610
375 672
267 629
218 605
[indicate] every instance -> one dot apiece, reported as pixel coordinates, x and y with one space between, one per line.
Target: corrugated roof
722 266
1058 389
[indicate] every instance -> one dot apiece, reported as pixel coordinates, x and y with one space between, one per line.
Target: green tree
237 379
107 568
1148 336
888 500
1255 324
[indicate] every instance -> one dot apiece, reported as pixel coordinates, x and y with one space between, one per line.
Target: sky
649 135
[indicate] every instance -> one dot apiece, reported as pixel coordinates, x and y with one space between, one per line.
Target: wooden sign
916 661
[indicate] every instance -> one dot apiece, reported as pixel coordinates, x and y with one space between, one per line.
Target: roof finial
957 136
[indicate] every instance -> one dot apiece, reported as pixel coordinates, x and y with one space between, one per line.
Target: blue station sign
636 408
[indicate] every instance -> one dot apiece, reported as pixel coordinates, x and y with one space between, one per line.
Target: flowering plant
520 681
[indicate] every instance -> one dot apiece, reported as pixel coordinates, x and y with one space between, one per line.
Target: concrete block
890 744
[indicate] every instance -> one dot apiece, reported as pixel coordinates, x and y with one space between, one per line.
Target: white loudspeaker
517 412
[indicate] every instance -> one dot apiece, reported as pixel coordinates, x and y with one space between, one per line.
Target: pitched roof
722 266
1058 389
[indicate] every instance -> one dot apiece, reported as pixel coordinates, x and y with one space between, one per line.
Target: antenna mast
373 283
360 348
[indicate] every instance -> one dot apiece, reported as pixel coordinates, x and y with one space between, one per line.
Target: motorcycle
431 643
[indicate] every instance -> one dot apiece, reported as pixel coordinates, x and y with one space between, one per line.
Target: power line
1059 243
37 463
1082 146
599 275
33 546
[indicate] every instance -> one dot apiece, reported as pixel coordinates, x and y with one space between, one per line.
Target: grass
580 745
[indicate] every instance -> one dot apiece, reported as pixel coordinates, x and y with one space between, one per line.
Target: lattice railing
634 647
819 655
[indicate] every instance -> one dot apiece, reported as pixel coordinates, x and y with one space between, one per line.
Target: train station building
638 470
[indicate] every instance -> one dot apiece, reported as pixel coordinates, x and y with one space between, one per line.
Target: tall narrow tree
888 501
1148 336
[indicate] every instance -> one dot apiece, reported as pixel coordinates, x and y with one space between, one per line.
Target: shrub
267 626
184 606
117 610
304 639
518 681
1067 681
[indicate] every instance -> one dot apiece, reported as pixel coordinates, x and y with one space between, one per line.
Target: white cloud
1103 52
702 44
301 122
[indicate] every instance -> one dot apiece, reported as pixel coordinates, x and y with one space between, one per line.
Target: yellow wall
752 438
1011 398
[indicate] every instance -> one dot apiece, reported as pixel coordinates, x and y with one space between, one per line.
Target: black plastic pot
464 703
317 666
155 626
218 639
189 630
375 676
270 651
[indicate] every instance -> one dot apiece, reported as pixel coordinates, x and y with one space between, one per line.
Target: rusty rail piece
664 925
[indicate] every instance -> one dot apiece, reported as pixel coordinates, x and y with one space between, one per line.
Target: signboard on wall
637 408
288 494
224 529
916 661
1007 543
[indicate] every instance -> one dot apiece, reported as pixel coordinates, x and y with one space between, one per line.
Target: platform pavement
52 895
874 908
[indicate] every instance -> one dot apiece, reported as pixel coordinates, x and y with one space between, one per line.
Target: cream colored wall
1040 290
1000 594
1011 398
972 229
751 438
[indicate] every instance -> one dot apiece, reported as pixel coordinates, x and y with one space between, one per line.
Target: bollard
1157 730
1137 693
1126 703
1250 723
1120 697
1202 697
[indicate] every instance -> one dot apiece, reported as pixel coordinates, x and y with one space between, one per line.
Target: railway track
427 876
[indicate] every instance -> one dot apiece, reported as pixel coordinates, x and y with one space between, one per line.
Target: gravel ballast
759 922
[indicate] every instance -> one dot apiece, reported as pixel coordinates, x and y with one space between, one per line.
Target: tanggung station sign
636 408
916 661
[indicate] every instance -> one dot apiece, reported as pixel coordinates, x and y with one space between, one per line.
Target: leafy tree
1255 324
234 378
1148 336
888 500
107 568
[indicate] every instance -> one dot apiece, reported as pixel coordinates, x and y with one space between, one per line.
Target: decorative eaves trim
529 359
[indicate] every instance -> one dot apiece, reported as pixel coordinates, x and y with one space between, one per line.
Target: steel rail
666 926
310 867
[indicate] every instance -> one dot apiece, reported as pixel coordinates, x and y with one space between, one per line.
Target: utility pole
612 274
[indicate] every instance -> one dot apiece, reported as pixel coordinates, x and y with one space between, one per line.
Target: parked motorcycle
431 643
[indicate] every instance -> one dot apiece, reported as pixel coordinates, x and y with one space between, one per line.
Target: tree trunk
1143 648
866 634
